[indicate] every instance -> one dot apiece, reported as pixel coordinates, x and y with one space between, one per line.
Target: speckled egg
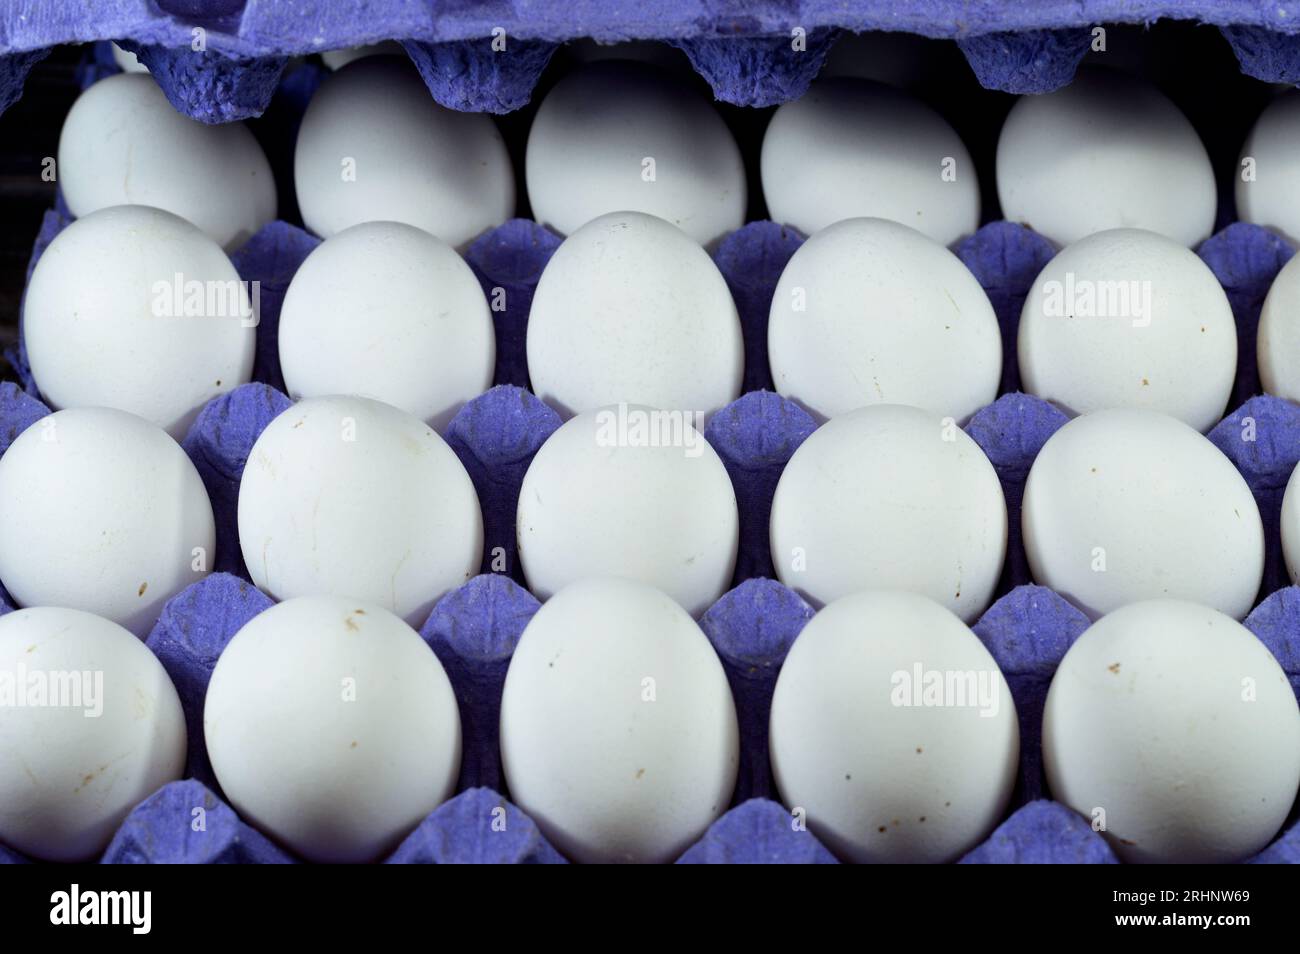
893 734
1173 729
91 725
103 512
618 731
332 727
1126 505
1129 318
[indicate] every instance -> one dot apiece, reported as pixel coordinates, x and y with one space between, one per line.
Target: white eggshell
1107 151
1277 342
618 731
374 145
889 496
91 727
850 148
127 61
872 312
337 59
598 129
1271 197
629 492
887 767
123 143
1290 521
344 496
332 727
1125 505
387 311
107 323
101 511
630 309
1179 725
1129 318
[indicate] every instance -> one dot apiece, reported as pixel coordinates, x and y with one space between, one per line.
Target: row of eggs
333 727
133 307
103 511
619 134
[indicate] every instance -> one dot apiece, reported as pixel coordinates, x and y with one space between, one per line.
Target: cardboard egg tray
474 629
745 54
219 60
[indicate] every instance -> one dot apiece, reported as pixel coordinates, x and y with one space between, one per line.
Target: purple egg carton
474 629
220 60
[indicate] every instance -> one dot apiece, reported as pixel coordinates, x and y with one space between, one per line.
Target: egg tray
474 628
745 51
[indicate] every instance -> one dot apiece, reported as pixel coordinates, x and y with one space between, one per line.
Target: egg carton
474 629
220 60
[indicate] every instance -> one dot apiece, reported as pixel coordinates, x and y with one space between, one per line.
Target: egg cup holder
474 629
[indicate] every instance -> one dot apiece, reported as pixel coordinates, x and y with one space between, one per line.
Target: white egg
374 145
332 726
1290 520
337 59
618 731
92 726
889 496
623 136
1277 342
1129 318
1125 505
345 496
1107 151
1175 727
127 61
894 730
633 492
872 312
101 511
387 311
1271 195
135 308
850 148
123 143
630 309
